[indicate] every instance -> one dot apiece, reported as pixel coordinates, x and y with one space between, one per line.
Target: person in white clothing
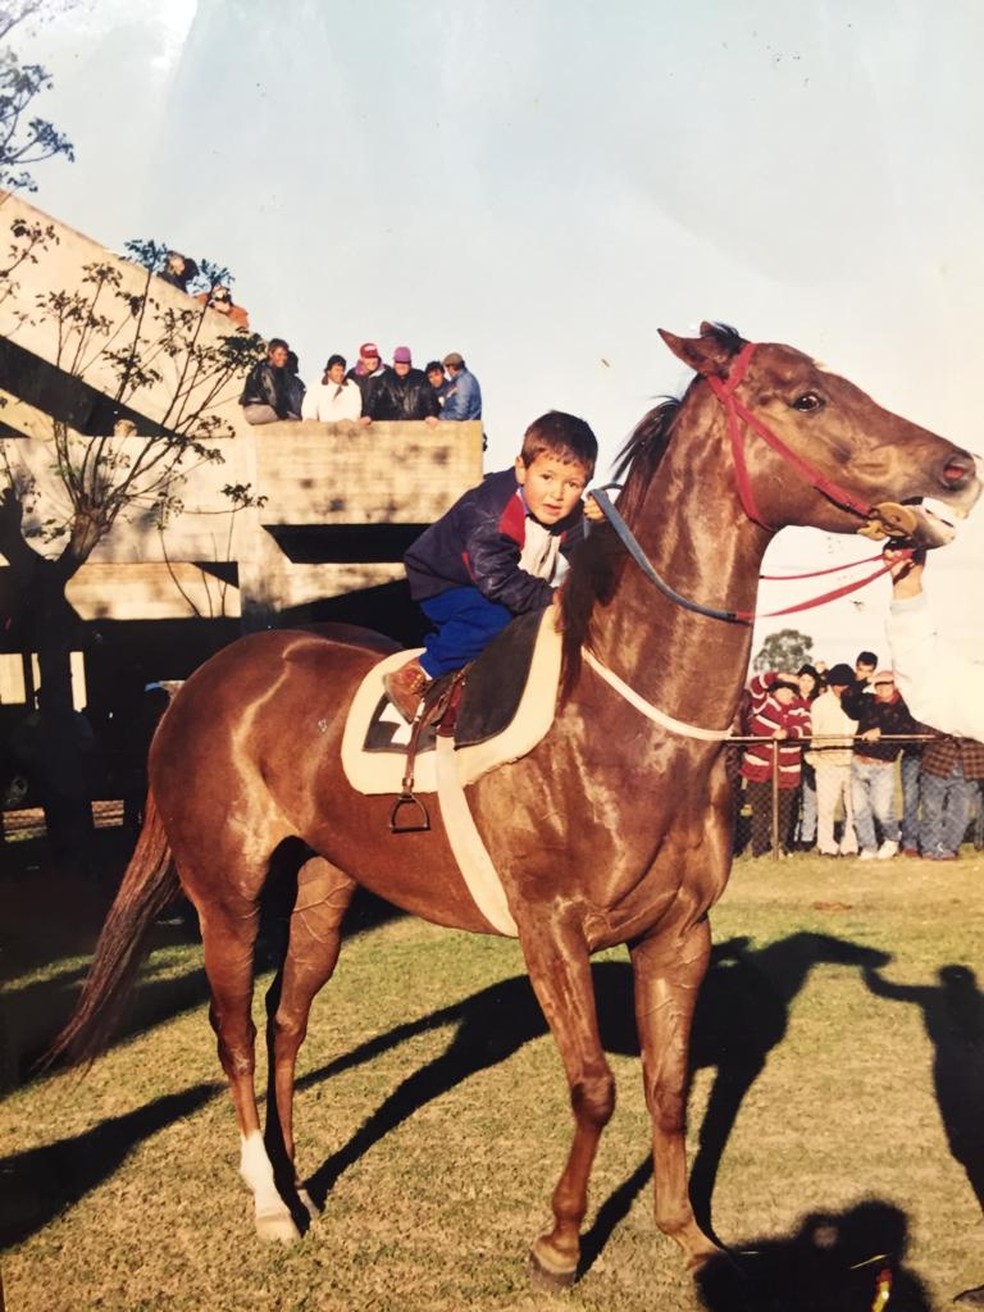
830 755
336 397
943 687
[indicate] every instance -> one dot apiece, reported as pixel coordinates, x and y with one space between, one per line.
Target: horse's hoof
277 1226
546 1272
307 1202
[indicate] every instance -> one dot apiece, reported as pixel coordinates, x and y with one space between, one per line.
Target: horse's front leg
558 962
668 976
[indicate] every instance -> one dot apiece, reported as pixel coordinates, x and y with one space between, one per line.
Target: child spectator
495 553
777 712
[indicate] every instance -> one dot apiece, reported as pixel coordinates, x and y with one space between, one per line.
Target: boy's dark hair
866 658
565 436
274 342
434 366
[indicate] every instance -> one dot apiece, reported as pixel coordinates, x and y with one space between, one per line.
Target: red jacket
767 714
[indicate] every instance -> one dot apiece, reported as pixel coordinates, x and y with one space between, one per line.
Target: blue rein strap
629 541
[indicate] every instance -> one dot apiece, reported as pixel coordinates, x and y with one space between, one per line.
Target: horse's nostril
957 470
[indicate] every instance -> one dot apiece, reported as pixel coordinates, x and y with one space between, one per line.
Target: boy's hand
592 510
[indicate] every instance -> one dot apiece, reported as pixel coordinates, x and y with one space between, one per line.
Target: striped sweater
767 714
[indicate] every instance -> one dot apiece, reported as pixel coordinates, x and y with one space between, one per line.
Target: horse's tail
149 884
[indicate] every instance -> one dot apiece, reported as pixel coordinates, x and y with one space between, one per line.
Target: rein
631 544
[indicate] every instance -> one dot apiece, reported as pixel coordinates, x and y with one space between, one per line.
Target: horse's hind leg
323 895
668 976
560 972
229 928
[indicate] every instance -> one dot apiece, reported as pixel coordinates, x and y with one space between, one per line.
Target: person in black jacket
878 712
400 393
269 393
495 553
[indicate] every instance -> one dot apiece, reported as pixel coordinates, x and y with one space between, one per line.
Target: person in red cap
369 366
400 393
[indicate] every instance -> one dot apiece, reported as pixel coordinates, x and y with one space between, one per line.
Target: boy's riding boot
404 687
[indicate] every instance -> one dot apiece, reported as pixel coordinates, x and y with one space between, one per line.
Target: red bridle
724 389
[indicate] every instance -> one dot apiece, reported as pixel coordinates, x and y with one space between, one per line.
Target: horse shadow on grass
38 1184
742 1014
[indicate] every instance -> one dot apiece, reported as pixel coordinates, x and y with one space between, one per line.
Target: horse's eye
808 401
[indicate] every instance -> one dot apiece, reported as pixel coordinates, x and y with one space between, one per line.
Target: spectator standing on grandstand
219 299
268 394
400 393
179 270
336 397
463 397
777 712
830 756
367 367
438 379
881 713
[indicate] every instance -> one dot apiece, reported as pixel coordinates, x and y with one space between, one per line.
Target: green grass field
433 1104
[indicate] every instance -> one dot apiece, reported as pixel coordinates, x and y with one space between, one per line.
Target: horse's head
810 448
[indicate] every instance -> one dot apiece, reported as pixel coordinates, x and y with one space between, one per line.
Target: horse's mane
597 563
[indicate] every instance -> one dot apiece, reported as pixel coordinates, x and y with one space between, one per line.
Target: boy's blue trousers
465 623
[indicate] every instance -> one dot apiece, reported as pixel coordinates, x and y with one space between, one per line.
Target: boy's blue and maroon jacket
479 542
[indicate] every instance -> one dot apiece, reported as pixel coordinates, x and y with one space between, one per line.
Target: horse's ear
710 353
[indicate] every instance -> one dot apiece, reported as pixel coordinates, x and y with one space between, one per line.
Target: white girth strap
470 852
652 712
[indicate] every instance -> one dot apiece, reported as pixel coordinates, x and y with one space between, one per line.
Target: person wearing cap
401 393
336 398
463 397
881 714
220 300
830 755
369 366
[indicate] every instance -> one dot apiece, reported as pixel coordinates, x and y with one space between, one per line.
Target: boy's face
552 486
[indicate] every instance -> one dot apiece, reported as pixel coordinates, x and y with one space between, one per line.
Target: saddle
494 710
470 705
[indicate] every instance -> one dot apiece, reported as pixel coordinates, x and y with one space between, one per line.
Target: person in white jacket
941 686
336 397
830 755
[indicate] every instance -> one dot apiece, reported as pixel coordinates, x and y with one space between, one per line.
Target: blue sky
542 185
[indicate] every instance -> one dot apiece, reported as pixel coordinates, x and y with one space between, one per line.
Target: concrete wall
346 489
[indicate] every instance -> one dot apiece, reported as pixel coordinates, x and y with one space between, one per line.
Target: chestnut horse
615 829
